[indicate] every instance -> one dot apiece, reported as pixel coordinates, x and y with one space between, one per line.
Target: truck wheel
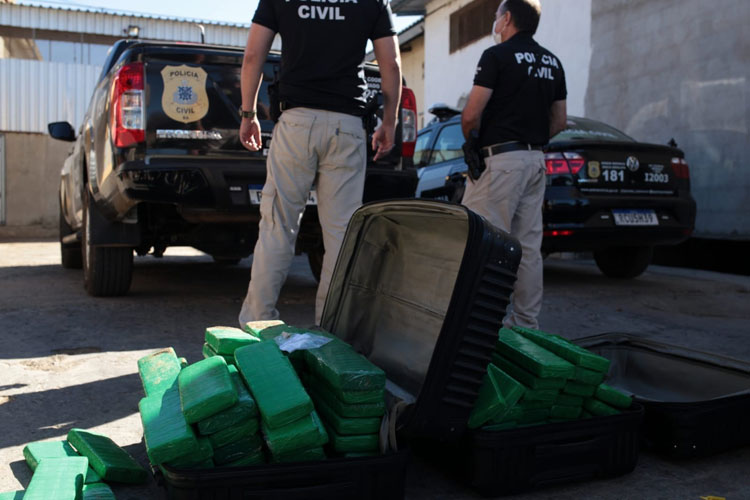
623 262
315 258
70 253
107 271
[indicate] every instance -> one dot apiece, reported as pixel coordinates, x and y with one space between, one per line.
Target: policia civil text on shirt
319 139
516 104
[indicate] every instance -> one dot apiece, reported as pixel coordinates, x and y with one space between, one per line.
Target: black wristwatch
247 114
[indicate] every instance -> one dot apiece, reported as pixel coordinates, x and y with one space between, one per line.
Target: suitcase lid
663 373
420 288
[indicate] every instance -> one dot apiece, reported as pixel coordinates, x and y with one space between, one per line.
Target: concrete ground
69 360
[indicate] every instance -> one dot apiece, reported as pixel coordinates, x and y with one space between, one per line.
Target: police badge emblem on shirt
184 99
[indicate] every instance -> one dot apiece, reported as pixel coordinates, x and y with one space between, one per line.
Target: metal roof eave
409 7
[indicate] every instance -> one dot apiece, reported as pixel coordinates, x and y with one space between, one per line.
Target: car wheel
623 262
70 253
315 259
107 271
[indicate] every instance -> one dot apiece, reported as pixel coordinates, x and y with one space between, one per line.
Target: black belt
507 147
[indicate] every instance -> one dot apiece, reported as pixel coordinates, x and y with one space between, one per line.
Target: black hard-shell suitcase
696 403
420 288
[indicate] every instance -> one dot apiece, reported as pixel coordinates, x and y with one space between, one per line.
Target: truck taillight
564 163
128 114
680 168
408 122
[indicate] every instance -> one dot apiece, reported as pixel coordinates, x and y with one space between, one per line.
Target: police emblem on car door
184 99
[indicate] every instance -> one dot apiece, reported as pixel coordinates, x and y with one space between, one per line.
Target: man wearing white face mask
516 104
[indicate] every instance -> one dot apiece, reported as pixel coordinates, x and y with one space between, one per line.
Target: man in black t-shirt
319 140
517 103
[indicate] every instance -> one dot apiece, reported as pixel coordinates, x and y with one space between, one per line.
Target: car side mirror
62 131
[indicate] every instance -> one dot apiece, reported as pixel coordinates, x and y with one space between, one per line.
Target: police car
606 192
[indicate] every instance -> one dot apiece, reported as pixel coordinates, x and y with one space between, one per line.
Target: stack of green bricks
77 468
536 378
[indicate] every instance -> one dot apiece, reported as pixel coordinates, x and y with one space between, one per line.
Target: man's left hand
250 134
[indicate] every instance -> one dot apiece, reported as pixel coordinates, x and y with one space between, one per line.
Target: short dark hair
525 14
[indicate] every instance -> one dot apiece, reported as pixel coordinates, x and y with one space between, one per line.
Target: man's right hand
383 139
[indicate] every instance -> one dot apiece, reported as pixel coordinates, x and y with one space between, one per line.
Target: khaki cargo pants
309 147
510 194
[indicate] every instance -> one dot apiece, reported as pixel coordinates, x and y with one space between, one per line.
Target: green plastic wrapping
566 349
534 358
234 433
534 416
578 389
12 495
599 408
341 408
307 432
534 405
362 454
349 444
206 389
547 395
565 412
197 459
344 368
251 446
346 426
111 462
245 409
256 327
498 393
586 414
98 491
33 453
273 383
512 415
167 434
352 397
226 340
503 426
255 459
613 397
525 377
58 479
208 352
588 377
309 455
159 371
569 400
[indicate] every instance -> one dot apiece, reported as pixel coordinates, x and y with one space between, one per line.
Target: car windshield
580 129
422 148
448 144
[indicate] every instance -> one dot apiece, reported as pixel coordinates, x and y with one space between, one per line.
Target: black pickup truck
158 163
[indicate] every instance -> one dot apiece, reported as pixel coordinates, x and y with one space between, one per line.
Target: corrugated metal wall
34 93
99 23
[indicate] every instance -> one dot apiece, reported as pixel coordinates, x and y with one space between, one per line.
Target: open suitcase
420 288
696 403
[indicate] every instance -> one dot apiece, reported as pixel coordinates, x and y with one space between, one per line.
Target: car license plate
635 218
256 193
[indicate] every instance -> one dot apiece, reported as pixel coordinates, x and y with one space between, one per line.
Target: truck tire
623 262
107 271
70 253
315 259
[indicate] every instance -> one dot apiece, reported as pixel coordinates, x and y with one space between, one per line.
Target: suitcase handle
566 449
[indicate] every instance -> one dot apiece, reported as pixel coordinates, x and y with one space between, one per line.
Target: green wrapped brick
503 426
512 415
534 416
525 377
565 412
245 409
256 327
544 395
208 352
226 340
33 453
345 410
111 462
234 433
344 368
586 414
304 433
309 455
578 389
206 464
346 426
498 393
569 400
533 405
12 495
352 397
254 459
588 377
349 444
566 349
167 434
599 408
197 459
159 371
206 389
613 397
58 479
273 383
251 446
362 454
98 491
534 358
